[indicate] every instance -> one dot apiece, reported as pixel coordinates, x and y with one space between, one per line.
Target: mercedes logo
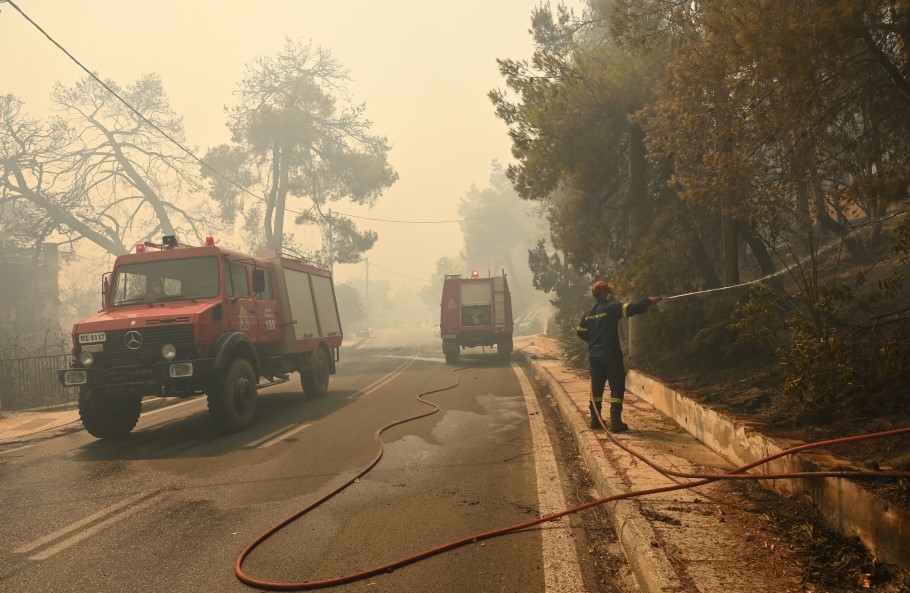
133 340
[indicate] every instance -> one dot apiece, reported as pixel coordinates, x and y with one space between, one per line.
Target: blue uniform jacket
599 326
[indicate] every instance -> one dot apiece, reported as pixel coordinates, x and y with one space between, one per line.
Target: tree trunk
281 198
758 248
703 262
637 202
854 246
151 197
268 222
731 249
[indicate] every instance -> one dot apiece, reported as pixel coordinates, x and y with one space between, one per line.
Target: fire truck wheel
315 379
451 357
107 416
504 349
232 403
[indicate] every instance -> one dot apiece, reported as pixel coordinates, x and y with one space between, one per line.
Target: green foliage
837 343
498 228
295 131
692 334
350 307
571 297
574 350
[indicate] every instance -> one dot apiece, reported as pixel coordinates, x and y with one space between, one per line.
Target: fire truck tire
504 349
106 416
232 401
451 356
315 379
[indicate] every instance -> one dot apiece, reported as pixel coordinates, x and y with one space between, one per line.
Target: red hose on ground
790 475
704 479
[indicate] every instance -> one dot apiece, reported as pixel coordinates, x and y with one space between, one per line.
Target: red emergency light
140 248
209 241
475 274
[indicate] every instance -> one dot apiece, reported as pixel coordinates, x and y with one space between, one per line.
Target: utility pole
366 292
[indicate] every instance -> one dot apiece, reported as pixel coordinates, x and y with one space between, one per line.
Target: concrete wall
845 505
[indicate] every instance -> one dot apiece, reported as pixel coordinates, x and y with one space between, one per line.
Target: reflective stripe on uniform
615 400
625 309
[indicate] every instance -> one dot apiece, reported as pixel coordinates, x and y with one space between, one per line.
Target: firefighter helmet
601 288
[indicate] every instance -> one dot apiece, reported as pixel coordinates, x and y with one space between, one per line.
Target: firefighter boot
616 423
595 423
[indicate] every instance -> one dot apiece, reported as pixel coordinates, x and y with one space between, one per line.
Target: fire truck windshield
147 282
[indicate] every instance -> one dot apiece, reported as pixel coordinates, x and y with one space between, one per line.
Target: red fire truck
181 321
474 312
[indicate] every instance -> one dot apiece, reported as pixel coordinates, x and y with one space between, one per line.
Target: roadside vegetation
687 147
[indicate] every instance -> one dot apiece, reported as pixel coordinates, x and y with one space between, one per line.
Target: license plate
92 338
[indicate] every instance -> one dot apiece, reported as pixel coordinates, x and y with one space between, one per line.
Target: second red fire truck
475 312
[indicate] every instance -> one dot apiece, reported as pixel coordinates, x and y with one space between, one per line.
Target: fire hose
700 479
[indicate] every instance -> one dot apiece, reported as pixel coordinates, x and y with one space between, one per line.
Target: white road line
172 406
78 537
561 570
268 436
281 437
23 549
385 379
280 434
16 449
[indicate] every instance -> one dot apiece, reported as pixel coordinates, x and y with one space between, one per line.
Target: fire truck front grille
143 346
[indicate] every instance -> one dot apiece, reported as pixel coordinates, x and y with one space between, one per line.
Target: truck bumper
179 377
472 339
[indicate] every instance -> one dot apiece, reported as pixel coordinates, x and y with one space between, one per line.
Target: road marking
281 437
385 379
375 385
16 449
168 407
270 435
26 548
78 537
561 570
285 432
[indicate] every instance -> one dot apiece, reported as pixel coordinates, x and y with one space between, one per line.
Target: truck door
241 307
267 310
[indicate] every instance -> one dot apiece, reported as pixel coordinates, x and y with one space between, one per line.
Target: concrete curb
845 505
652 568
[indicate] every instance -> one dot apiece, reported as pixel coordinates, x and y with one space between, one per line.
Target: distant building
29 292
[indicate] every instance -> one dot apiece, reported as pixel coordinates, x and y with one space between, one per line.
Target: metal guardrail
32 382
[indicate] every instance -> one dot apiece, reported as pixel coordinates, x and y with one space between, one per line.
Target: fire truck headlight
169 352
75 378
181 369
87 359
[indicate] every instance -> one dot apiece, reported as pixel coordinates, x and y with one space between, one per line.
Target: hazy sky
423 69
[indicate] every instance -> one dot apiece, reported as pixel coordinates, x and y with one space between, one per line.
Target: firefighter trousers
612 372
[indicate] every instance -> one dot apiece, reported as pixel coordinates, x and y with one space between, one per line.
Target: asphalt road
170 508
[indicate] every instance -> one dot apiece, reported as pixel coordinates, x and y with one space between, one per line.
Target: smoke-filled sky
423 69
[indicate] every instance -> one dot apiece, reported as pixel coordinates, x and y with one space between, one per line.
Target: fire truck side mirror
105 290
258 280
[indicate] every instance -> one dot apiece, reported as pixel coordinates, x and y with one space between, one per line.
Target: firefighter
599 327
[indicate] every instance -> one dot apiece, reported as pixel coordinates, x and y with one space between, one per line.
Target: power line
133 109
199 160
417 221
374 265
